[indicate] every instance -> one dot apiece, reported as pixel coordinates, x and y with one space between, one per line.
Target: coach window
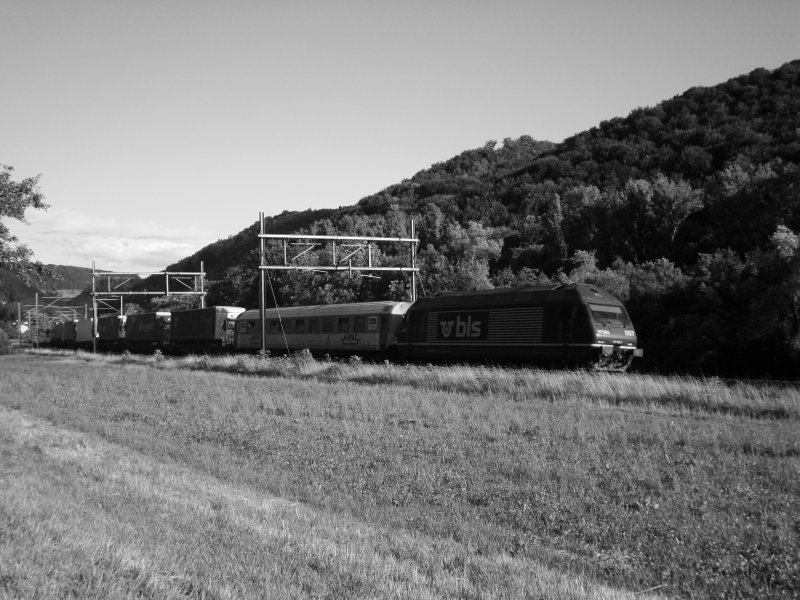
344 325
273 327
327 325
299 326
313 326
360 325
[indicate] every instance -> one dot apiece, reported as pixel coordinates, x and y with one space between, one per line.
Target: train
574 324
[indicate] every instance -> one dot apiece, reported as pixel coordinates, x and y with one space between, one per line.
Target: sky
161 126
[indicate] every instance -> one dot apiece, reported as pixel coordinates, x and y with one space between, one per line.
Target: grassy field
241 477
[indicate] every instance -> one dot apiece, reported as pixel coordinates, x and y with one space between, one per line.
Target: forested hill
688 211
52 280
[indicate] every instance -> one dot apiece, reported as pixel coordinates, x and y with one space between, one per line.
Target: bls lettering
462 326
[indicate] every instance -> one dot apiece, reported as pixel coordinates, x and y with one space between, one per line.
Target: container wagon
146 332
203 329
111 332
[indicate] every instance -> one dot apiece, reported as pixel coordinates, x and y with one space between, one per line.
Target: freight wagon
111 332
203 329
145 332
83 334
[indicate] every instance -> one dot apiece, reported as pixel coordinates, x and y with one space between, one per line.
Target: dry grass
412 482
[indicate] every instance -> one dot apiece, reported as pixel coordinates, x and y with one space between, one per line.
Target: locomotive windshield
609 316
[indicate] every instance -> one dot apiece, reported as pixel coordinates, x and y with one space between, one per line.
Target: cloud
115 243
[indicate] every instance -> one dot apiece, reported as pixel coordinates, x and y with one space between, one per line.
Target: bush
302 357
5 342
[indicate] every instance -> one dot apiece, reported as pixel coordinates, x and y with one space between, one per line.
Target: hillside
55 280
687 210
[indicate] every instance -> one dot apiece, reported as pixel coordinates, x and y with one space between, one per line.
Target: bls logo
468 326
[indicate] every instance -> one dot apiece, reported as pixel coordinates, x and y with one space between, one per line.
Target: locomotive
576 324
561 324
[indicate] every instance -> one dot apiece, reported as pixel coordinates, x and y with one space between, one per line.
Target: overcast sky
160 126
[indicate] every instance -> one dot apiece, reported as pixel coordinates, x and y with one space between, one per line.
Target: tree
585 270
463 261
15 197
775 312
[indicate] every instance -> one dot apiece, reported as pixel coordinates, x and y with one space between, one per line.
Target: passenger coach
360 328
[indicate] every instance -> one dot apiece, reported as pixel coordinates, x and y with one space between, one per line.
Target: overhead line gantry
343 249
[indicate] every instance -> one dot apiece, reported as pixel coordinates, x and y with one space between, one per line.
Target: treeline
688 211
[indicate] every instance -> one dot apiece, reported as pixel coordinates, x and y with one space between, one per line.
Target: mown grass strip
694 501
87 519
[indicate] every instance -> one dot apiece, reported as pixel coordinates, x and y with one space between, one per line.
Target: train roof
323 310
225 309
157 314
518 296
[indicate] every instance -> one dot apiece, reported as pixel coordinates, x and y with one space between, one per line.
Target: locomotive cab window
610 316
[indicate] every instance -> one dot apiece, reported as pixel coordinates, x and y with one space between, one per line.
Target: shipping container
83 333
147 330
212 326
111 328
